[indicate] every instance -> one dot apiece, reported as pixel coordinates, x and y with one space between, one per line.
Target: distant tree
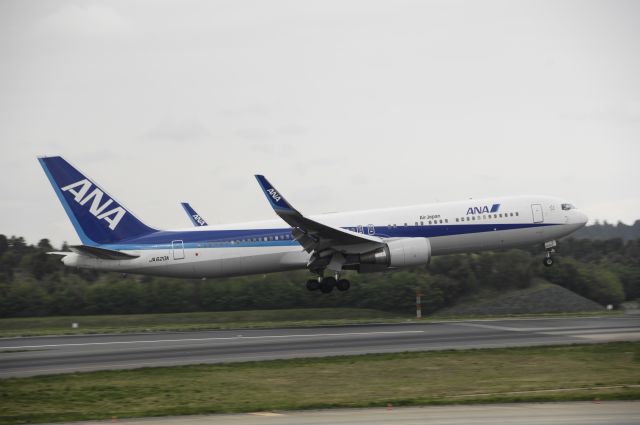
45 245
17 244
4 244
25 298
589 280
603 286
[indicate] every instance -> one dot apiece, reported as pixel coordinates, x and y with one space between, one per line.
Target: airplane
196 219
114 239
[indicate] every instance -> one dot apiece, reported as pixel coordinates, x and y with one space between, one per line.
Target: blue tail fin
96 216
196 218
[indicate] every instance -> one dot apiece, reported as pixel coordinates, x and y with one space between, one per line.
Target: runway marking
631 336
505 328
214 339
601 331
268 414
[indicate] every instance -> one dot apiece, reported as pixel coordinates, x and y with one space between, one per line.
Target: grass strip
61 325
251 319
559 373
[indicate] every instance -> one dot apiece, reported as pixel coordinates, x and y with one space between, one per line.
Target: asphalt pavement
28 356
577 413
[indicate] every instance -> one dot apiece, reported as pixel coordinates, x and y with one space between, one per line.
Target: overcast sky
343 104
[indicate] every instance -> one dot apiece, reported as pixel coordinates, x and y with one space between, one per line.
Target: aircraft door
536 210
178 250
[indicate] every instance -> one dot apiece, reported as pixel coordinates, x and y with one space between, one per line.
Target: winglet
195 218
277 201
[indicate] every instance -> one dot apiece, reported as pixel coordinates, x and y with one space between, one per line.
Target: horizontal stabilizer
63 253
102 253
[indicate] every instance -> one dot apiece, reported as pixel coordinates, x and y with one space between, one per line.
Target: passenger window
422 223
457 219
446 220
517 214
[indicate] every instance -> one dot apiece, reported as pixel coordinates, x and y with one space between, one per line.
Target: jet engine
398 253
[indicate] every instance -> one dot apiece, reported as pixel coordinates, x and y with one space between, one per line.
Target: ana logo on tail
80 190
199 220
274 194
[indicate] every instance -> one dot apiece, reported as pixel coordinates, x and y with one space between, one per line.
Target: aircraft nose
581 218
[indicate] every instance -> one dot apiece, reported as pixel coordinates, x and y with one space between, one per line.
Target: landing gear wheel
313 284
327 285
343 285
548 262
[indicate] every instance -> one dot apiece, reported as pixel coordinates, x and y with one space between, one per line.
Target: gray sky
342 104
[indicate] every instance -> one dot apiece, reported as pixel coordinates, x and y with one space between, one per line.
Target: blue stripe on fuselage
243 238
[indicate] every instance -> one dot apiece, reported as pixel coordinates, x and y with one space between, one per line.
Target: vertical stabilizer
97 217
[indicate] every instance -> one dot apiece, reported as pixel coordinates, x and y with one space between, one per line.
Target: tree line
604 231
33 283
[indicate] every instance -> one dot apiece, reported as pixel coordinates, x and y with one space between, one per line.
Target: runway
581 413
62 354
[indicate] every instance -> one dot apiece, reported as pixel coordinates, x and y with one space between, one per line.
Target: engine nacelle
399 253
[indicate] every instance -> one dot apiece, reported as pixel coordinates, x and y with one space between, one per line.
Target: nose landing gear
550 248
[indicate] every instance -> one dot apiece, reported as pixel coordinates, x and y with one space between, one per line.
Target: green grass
58 325
250 319
580 372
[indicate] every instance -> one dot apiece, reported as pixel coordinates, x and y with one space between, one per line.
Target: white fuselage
267 246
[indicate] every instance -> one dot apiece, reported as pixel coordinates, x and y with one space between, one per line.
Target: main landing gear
550 248
326 284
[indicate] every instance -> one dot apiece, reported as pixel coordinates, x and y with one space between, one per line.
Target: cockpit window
567 207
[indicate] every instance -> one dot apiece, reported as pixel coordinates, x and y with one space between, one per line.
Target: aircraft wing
316 236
